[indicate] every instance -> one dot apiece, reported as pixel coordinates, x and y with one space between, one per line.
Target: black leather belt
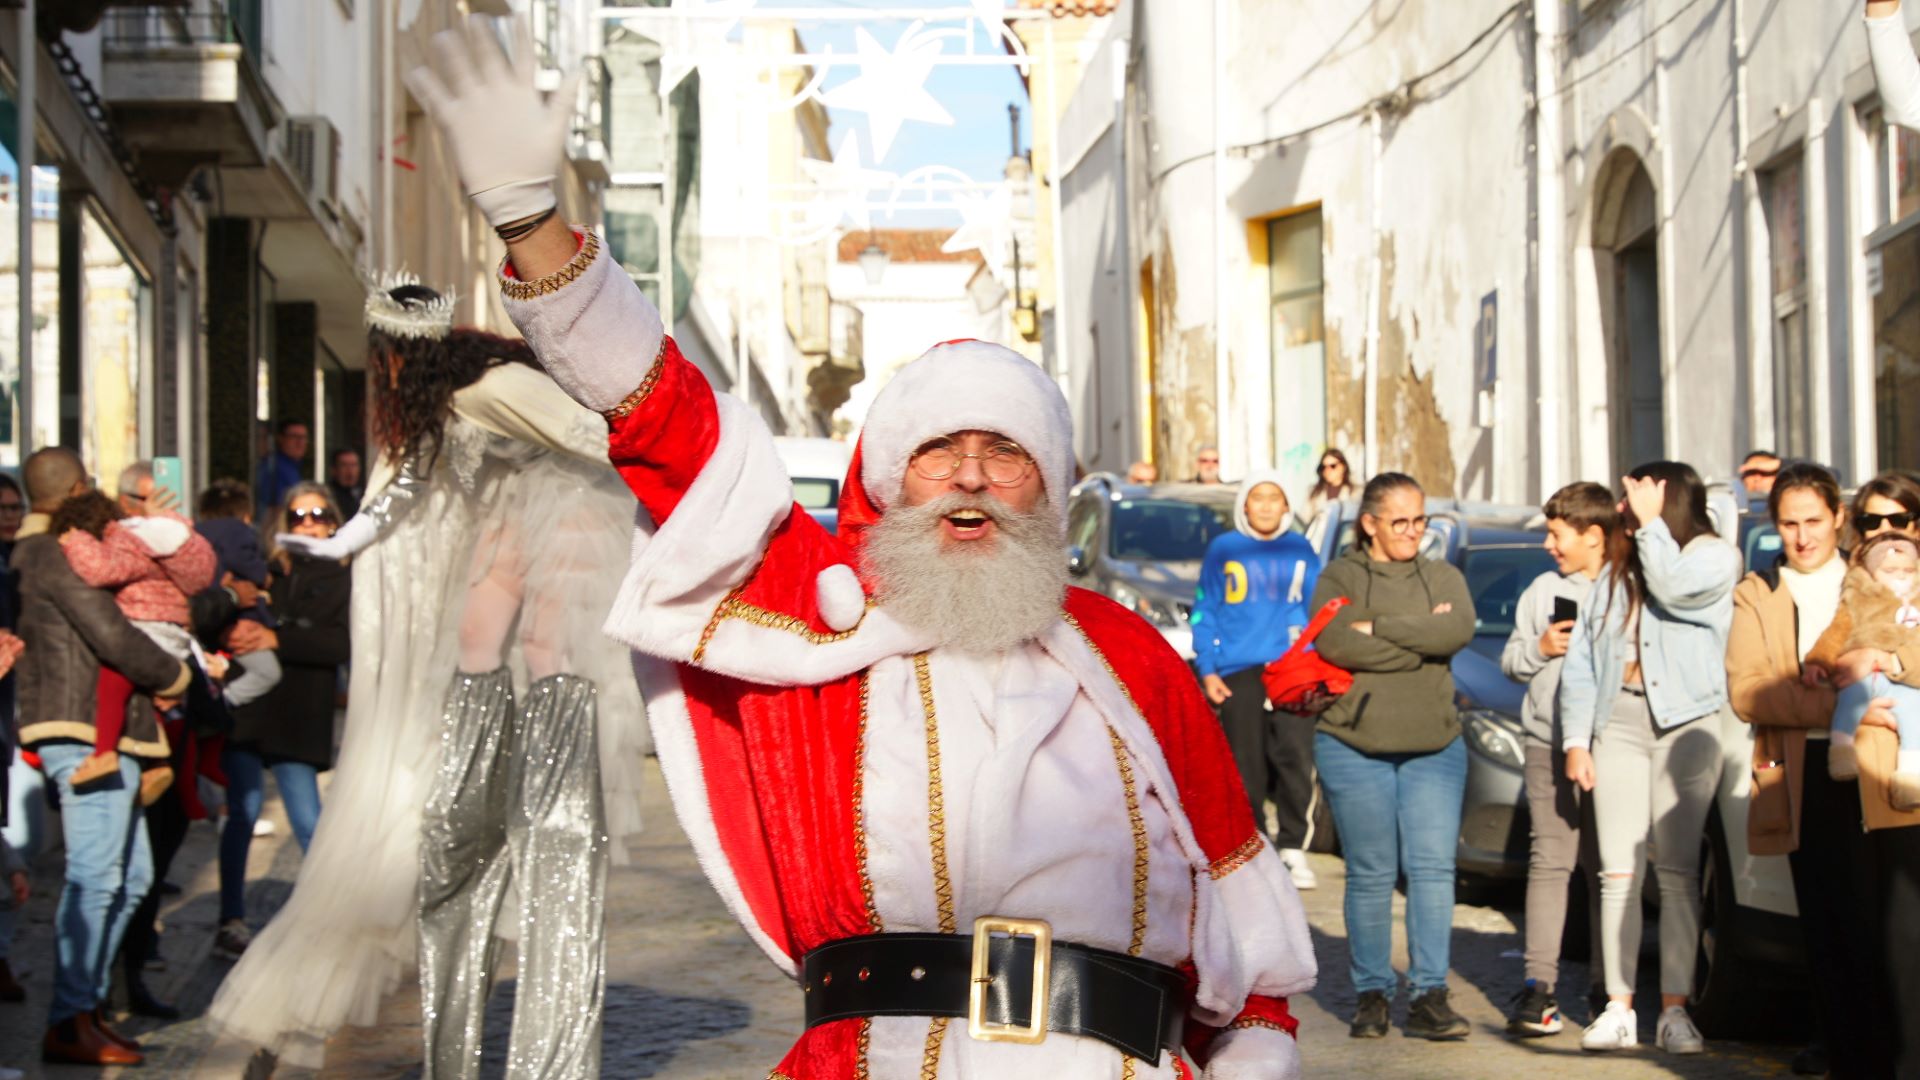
1011 981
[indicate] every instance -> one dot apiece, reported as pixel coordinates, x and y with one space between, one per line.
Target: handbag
1302 681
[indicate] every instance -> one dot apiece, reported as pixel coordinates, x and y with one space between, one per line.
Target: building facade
214 183
1497 246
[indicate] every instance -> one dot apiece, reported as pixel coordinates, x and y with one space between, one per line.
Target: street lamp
873 261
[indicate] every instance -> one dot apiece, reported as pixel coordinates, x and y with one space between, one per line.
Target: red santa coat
760 656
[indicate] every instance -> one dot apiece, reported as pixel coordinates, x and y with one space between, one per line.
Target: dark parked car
1142 546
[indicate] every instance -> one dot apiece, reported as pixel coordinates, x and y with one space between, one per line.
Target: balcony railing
237 22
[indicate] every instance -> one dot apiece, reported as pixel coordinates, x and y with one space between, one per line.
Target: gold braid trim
1104 662
515 289
735 608
1140 844
713 624
645 389
861 1070
936 798
1255 1022
1126 1068
936 1035
874 924
1237 858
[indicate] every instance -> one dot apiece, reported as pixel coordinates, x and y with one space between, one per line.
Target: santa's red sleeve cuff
1260 1011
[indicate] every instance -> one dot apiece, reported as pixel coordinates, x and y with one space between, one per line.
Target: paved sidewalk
689 997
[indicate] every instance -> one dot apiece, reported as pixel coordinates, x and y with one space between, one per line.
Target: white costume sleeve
1896 69
524 404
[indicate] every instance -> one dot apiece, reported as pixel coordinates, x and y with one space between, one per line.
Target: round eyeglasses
1005 464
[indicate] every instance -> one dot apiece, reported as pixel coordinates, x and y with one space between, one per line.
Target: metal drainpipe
1550 254
28 127
1222 378
1371 360
1743 174
389 16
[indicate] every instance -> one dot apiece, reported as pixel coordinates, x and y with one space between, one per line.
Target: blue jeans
1396 812
246 793
109 870
1854 700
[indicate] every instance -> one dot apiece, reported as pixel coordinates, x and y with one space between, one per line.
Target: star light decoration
686 35
846 180
986 223
891 87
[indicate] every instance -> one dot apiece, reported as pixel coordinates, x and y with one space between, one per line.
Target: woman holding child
1798 808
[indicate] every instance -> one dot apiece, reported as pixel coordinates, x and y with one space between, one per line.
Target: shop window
1298 344
1783 192
116 307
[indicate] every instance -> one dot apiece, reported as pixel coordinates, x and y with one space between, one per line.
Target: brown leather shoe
76 1041
110 1033
10 988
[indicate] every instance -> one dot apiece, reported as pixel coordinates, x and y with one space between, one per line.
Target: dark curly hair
91 513
414 379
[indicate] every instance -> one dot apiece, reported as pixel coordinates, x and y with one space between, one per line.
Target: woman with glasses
1889 502
1389 751
1641 696
291 733
1335 483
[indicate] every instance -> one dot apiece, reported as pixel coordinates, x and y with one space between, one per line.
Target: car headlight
1495 735
1159 615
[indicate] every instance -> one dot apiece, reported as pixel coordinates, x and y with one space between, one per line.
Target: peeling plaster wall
1453 226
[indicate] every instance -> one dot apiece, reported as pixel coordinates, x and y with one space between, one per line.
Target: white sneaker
1298 868
1676 1034
263 827
1615 1029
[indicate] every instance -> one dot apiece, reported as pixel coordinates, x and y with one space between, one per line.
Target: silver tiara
430 319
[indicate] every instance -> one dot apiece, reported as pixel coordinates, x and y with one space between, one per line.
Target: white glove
507 140
349 541
1254 1053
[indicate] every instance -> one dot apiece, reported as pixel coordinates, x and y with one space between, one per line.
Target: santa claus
987 822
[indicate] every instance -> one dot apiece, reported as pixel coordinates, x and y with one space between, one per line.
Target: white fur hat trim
967 386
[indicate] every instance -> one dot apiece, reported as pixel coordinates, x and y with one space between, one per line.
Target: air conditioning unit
311 148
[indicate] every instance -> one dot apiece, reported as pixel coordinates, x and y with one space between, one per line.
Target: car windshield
1165 530
1496 576
815 493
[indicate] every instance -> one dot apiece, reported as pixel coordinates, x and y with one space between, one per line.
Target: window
1299 350
1163 530
116 305
1783 193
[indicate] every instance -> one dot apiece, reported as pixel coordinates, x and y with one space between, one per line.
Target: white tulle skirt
562 528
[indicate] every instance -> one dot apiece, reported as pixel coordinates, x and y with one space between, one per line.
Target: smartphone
1565 609
166 477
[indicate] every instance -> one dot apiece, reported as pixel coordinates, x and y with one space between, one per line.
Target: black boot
1431 1017
1370 1018
141 1002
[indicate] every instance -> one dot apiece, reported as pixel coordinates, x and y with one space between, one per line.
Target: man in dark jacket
71 629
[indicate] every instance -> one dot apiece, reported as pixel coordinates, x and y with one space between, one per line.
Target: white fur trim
596 335
842 600
1254 1053
967 385
679 754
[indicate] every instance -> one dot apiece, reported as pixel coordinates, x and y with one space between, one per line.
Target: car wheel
1733 996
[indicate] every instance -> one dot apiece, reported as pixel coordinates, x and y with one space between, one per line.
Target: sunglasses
320 515
1870 522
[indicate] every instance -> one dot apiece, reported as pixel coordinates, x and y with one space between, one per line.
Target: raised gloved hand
355 535
1254 1053
506 136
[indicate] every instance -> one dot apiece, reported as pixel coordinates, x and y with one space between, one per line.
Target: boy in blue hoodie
1253 602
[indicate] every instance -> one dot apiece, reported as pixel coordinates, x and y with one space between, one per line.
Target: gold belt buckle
977 1024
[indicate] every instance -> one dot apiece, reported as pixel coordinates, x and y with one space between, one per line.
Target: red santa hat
959 386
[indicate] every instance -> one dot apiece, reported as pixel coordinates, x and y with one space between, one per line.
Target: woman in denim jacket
1647 664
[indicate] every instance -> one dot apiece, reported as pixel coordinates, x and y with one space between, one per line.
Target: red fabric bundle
1302 681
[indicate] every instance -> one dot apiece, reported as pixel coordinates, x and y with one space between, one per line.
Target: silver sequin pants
517 799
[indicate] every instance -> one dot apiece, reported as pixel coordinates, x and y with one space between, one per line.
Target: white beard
980 598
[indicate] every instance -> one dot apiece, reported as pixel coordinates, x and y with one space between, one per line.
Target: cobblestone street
690 998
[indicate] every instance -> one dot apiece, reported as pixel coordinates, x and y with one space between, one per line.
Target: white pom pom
842 601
